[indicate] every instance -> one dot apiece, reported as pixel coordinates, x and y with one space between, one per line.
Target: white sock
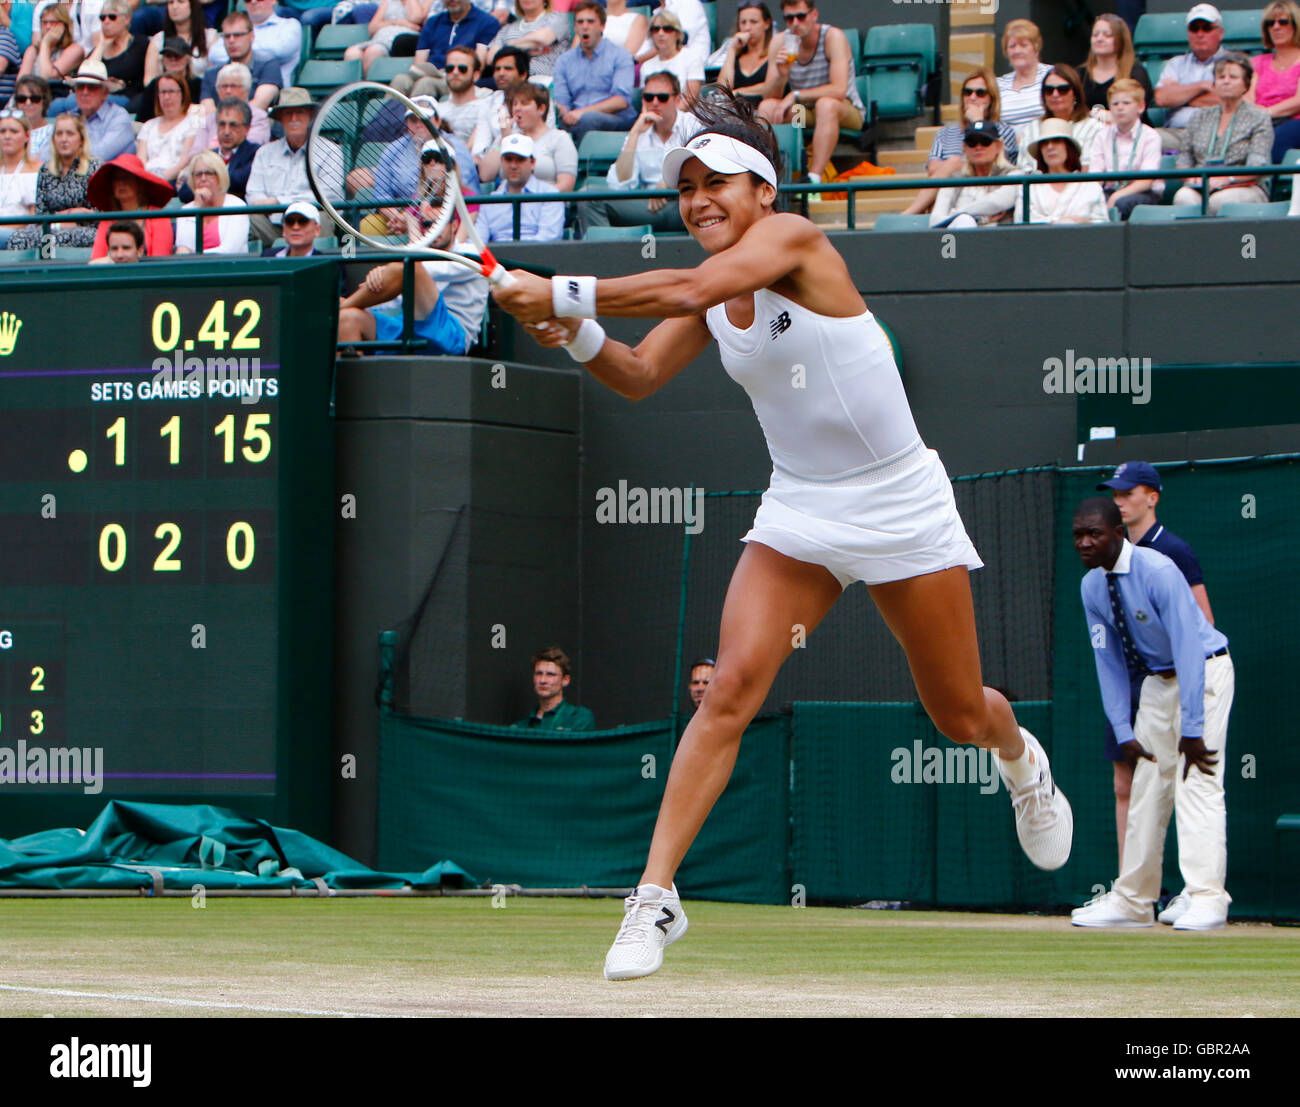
816 178
653 891
1019 771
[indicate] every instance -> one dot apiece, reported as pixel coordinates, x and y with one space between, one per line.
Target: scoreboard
166 534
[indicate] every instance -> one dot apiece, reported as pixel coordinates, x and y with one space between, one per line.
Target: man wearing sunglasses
1187 81
460 107
821 80
661 126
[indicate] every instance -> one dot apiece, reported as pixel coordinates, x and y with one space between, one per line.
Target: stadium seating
598 151
334 38
1160 36
1164 213
790 140
902 40
320 78
897 221
1241 31
897 62
1276 210
384 70
608 234
18 257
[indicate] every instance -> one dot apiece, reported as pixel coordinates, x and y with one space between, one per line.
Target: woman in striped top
1021 89
1063 99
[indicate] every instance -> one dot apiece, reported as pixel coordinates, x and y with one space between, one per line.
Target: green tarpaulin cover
133 845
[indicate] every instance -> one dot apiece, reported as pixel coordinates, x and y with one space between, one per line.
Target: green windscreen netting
830 795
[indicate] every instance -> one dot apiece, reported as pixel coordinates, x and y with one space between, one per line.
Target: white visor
721 154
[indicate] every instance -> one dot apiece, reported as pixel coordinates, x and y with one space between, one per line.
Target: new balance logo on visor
780 325
700 143
666 921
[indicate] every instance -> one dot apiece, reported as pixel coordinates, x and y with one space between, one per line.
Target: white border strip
193 1002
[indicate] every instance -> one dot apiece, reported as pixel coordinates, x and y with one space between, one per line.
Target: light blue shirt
537 222
110 132
398 170
580 80
1167 626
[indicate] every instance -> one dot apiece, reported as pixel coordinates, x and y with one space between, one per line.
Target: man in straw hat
279 173
107 125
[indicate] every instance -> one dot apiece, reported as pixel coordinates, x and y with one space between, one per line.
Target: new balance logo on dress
780 325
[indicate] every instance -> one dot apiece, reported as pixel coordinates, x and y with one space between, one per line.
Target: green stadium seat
384 70
1275 210
1242 31
790 140
1164 213
1283 186
897 221
73 253
855 46
320 78
900 40
598 151
897 62
1154 67
334 38
1160 36
614 234
18 257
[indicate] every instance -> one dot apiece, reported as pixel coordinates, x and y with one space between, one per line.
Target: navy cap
1130 475
983 128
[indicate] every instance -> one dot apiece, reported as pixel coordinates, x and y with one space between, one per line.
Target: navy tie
1133 659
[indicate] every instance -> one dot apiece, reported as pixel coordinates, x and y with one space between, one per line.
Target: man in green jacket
552 672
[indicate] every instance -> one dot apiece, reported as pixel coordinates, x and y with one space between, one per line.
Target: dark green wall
419 437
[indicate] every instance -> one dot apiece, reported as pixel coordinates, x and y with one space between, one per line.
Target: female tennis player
854 494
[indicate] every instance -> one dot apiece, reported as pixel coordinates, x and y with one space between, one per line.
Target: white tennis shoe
1044 821
1175 909
654 918
1108 912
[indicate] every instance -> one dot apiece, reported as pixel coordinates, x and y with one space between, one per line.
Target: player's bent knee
963 726
735 692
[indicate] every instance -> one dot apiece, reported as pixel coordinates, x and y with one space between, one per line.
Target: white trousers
1198 802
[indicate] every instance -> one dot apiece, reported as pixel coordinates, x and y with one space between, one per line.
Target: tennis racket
369 142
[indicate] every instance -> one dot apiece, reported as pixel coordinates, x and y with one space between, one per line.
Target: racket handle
495 272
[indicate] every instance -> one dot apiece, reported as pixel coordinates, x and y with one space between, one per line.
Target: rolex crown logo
10 325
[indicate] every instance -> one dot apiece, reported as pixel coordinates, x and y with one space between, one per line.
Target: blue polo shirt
1168 629
440 34
1174 548
580 80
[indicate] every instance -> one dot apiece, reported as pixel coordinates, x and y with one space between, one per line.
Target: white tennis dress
853 486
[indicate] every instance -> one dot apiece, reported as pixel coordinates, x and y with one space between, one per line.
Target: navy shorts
1135 698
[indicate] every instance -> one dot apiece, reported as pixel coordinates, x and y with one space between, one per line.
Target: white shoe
1044 821
654 918
1201 917
1175 909
1107 912
1089 905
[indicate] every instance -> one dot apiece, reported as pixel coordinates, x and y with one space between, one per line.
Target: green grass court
460 956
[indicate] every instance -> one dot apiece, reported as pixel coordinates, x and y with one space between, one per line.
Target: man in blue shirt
537 222
1136 490
461 24
592 84
107 125
1141 614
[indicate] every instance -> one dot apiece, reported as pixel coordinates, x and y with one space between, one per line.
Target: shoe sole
673 933
1212 926
1111 925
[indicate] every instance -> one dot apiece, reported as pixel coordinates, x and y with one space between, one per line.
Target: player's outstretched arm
636 374
776 247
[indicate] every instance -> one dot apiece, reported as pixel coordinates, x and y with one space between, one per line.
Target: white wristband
587 343
573 297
